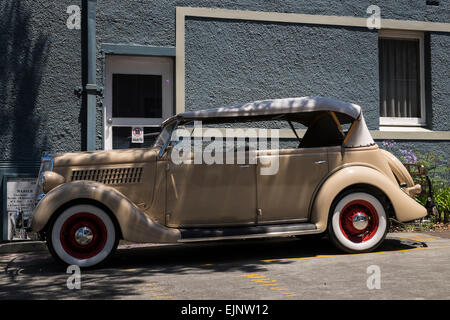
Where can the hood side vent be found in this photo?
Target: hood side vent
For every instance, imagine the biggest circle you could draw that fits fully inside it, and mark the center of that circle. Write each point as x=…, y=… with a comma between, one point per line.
x=109, y=176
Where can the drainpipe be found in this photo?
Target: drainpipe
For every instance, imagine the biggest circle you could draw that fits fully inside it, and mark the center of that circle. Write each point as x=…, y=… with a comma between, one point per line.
x=91, y=86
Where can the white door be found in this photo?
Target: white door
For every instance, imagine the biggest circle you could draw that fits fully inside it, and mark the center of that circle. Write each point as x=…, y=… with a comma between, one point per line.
x=138, y=93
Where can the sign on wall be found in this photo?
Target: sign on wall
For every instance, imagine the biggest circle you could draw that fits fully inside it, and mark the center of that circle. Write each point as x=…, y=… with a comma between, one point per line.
x=19, y=196
x=137, y=135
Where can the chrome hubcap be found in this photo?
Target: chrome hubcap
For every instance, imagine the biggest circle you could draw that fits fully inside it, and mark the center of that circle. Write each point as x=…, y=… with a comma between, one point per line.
x=83, y=236
x=360, y=221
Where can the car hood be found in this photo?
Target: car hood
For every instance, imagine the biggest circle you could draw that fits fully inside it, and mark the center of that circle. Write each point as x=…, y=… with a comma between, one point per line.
x=105, y=157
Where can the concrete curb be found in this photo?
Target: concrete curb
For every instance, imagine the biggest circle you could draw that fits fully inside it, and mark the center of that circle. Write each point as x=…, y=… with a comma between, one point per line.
x=23, y=246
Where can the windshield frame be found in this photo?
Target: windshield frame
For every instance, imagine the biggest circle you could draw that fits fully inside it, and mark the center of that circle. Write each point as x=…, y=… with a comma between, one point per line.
x=164, y=137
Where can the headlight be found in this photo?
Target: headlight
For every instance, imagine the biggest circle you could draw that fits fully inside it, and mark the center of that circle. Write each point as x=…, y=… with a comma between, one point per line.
x=46, y=165
x=50, y=180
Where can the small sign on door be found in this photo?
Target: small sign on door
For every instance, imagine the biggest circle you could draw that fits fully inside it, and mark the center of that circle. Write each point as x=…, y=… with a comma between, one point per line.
x=137, y=135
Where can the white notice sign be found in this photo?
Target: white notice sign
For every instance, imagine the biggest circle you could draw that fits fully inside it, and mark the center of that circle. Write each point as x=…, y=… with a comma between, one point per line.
x=20, y=194
x=137, y=135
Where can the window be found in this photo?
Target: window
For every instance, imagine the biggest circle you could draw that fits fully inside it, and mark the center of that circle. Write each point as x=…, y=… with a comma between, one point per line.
x=138, y=93
x=137, y=96
x=401, y=72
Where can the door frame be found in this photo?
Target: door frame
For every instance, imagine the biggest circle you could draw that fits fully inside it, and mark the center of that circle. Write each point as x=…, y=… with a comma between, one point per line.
x=127, y=64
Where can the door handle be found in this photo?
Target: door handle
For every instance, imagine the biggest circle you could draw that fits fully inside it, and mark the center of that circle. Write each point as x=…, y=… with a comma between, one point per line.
x=320, y=162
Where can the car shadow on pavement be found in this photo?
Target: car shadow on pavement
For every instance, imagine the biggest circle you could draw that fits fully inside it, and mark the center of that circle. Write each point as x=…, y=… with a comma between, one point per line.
x=239, y=254
x=38, y=276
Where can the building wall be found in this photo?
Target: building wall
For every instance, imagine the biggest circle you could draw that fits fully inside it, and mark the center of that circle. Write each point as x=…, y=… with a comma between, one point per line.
x=42, y=65
x=42, y=62
x=439, y=105
x=255, y=61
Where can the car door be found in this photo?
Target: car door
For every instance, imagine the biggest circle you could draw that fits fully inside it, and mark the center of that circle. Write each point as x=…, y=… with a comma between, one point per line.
x=286, y=195
x=201, y=195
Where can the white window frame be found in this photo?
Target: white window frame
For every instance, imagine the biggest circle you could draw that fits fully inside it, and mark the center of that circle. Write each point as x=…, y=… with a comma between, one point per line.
x=403, y=121
x=145, y=65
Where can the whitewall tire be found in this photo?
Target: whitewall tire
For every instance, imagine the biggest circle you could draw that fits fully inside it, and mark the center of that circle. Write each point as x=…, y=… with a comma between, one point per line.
x=358, y=222
x=82, y=235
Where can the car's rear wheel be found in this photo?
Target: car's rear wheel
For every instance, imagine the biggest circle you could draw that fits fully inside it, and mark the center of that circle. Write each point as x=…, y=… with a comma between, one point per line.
x=82, y=235
x=358, y=222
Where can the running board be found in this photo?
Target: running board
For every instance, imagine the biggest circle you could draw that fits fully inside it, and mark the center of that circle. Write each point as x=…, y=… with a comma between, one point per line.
x=230, y=233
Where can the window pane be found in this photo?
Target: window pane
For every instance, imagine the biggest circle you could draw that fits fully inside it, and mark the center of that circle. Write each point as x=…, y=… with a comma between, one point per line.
x=122, y=137
x=137, y=96
x=399, y=78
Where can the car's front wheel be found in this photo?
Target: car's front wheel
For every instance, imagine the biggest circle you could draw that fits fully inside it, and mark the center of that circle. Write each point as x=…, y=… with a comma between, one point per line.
x=358, y=222
x=82, y=235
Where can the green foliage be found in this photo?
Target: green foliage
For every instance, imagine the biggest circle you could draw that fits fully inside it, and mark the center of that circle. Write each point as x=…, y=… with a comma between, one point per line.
x=438, y=169
x=442, y=200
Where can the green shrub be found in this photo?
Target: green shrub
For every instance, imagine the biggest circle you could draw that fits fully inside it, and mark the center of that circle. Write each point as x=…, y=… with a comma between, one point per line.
x=442, y=200
x=438, y=169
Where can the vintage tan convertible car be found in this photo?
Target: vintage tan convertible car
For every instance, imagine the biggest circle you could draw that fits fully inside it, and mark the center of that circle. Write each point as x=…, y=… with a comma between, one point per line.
x=337, y=181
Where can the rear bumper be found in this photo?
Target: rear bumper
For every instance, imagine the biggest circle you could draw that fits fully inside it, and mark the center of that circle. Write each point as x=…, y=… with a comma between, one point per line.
x=413, y=191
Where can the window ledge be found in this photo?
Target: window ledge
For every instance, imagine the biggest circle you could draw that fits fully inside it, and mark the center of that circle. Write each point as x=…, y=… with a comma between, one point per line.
x=410, y=133
x=404, y=129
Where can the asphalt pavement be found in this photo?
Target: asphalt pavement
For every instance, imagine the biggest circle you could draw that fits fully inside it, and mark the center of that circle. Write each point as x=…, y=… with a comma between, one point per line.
x=405, y=266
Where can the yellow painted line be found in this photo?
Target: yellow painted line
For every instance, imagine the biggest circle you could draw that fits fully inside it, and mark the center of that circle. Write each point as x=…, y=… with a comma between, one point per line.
x=252, y=276
x=258, y=276
x=346, y=255
x=263, y=280
x=149, y=284
x=130, y=270
x=418, y=238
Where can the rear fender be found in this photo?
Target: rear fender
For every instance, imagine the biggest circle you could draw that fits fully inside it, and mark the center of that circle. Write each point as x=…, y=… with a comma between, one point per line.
x=405, y=208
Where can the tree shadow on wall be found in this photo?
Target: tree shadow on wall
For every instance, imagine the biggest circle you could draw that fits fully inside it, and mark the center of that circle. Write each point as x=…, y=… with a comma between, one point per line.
x=23, y=58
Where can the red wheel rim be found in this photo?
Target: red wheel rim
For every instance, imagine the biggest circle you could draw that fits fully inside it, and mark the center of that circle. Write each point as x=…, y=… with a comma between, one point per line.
x=77, y=221
x=346, y=221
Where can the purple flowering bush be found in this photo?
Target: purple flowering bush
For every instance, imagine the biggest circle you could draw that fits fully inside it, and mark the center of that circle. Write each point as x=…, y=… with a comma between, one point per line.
x=409, y=156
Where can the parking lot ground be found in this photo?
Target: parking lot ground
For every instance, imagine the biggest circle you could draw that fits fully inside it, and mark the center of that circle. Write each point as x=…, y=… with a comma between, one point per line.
x=410, y=265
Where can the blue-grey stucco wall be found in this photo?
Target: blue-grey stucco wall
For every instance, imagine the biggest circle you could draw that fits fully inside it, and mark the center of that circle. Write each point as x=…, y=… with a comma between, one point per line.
x=41, y=61
x=256, y=60
x=439, y=105
x=40, y=66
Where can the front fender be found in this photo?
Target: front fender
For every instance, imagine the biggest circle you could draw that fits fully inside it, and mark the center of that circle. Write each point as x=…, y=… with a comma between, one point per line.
x=135, y=225
x=405, y=208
